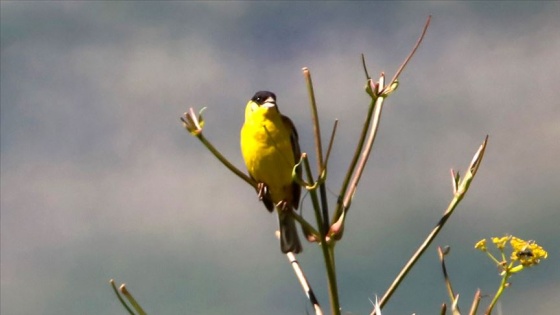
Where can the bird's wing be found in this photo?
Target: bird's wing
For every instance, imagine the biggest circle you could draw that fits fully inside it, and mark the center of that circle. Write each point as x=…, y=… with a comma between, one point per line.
x=294, y=140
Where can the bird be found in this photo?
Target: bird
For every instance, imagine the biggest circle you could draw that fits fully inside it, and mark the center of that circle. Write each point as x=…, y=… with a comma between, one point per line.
x=270, y=149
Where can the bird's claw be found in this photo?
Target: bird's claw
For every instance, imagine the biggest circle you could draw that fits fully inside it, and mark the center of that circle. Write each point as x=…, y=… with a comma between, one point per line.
x=262, y=190
x=283, y=205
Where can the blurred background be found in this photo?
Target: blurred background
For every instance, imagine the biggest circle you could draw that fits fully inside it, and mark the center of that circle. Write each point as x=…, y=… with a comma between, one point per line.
x=99, y=179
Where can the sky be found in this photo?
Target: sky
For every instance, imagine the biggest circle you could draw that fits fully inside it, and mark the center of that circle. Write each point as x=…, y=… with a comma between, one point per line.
x=99, y=180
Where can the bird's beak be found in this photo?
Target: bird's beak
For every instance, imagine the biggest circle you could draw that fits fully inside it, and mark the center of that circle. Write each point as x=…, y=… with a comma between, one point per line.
x=269, y=103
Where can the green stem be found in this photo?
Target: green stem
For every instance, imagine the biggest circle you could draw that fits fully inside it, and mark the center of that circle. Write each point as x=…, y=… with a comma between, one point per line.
x=132, y=300
x=501, y=289
x=448, y=285
x=365, y=154
x=365, y=68
x=318, y=147
x=412, y=261
x=354, y=162
x=494, y=258
x=457, y=197
x=306, y=225
x=224, y=161
x=328, y=254
x=120, y=297
x=331, y=141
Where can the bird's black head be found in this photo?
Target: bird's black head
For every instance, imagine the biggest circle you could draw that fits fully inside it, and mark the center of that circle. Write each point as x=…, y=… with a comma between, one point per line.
x=261, y=96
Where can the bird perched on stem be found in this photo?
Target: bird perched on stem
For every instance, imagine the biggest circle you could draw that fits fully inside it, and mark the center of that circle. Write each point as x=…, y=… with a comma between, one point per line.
x=270, y=148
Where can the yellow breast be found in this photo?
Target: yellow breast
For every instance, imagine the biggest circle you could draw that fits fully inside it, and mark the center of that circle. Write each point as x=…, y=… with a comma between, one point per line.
x=267, y=151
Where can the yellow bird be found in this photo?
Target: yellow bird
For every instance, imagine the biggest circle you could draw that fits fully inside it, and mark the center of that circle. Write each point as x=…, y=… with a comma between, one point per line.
x=270, y=148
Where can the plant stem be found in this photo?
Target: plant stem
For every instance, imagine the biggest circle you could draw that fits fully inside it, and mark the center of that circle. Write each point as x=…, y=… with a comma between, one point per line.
x=304, y=283
x=503, y=285
x=457, y=197
x=412, y=261
x=476, y=301
x=305, y=224
x=132, y=300
x=365, y=154
x=225, y=162
x=318, y=147
x=120, y=297
x=352, y=166
x=328, y=255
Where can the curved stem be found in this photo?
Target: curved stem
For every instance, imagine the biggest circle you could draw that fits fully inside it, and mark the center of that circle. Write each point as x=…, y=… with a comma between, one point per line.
x=418, y=42
x=120, y=297
x=225, y=162
x=503, y=285
x=306, y=225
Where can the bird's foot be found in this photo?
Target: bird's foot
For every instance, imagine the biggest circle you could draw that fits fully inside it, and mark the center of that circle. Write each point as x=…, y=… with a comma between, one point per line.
x=284, y=205
x=262, y=190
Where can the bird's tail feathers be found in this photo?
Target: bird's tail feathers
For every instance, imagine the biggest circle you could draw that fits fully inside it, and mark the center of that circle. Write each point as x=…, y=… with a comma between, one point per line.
x=289, y=239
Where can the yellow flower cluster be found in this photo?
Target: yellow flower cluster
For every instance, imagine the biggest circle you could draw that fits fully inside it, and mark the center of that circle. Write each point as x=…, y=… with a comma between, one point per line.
x=526, y=253
x=481, y=245
x=501, y=241
x=523, y=254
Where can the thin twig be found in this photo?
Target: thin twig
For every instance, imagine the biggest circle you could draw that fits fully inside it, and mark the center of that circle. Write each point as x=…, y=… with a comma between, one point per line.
x=328, y=255
x=304, y=283
x=445, y=275
x=132, y=300
x=344, y=204
x=418, y=42
x=318, y=146
x=331, y=142
x=503, y=286
x=225, y=162
x=454, y=309
x=457, y=197
x=475, y=302
x=305, y=225
x=194, y=124
x=352, y=166
x=400, y=277
x=367, y=149
x=365, y=68
x=112, y=282
x=315, y=118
